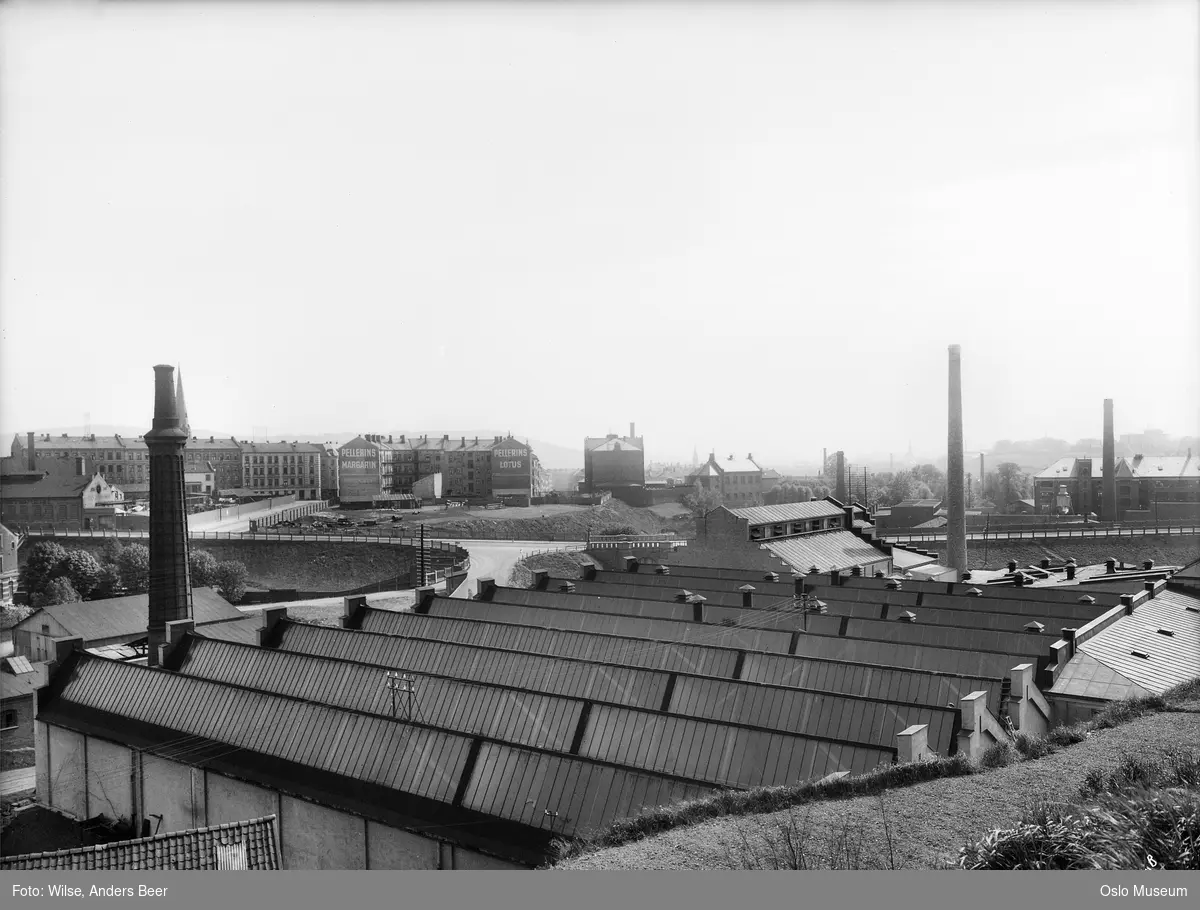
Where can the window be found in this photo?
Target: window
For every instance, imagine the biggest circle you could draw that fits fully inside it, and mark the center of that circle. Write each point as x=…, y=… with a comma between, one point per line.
x=8, y=721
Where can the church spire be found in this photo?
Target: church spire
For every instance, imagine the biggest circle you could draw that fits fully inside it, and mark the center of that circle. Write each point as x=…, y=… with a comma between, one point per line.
x=180, y=403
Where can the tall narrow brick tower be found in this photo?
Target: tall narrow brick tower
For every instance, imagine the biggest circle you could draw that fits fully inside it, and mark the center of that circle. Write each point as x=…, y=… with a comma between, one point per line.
x=170, y=587
x=956, y=511
x=1108, y=484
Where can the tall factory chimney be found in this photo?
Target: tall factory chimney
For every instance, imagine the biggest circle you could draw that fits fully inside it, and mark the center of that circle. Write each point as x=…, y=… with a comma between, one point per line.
x=1109, y=505
x=632, y=435
x=824, y=461
x=956, y=518
x=840, y=489
x=170, y=586
x=31, y=453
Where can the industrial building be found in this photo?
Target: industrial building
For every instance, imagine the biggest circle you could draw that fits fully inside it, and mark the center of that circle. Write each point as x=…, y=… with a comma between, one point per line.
x=70, y=495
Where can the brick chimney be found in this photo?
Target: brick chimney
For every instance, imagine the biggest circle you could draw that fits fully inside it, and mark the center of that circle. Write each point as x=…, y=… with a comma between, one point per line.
x=840, y=488
x=1109, y=466
x=956, y=509
x=170, y=586
x=632, y=435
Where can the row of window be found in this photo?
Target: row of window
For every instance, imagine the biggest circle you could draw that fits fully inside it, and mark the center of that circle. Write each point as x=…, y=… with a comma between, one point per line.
x=281, y=459
x=39, y=509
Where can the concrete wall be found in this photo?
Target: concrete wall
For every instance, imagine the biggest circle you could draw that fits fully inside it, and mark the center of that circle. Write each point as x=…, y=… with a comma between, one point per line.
x=66, y=785
x=109, y=779
x=230, y=800
x=174, y=791
x=391, y=848
x=317, y=837
x=86, y=776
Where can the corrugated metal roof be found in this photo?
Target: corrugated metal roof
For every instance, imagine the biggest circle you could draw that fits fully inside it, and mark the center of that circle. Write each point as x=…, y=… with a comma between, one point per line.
x=790, y=511
x=751, y=639
x=907, y=655
x=916, y=686
x=420, y=761
x=535, y=719
x=1169, y=659
x=115, y=617
x=826, y=550
x=239, y=845
x=562, y=676
x=244, y=631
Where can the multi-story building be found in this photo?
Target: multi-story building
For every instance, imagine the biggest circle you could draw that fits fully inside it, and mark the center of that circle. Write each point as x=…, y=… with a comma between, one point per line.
x=78, y=497
x=614, y=462
x=329, y=471
x=200, y=481
x=739, y=480
x=282, y=469
x=124, y=461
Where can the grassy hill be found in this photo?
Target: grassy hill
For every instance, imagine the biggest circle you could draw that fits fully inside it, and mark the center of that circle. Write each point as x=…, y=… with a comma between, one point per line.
x=923, y=825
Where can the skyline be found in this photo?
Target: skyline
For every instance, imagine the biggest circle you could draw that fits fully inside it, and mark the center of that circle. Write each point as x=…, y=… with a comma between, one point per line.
x=539, y=219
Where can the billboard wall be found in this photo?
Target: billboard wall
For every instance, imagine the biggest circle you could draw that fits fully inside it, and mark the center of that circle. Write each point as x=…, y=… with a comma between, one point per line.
x=512, y=468
x=358, y=471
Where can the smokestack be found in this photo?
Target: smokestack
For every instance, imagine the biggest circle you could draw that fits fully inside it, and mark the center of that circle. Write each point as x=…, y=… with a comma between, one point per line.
x=1109, y=506
x=824, y=461
x=170, y=586
x=840, y=489
x=956, y=526
x=31, y=454
x=632, y=435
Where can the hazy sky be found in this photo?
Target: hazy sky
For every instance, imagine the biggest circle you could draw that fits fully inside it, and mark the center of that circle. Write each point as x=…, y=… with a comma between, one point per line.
x=749, y=227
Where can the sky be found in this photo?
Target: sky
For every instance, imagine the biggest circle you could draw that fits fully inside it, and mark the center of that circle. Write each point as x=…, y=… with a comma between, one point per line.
x=750, y=227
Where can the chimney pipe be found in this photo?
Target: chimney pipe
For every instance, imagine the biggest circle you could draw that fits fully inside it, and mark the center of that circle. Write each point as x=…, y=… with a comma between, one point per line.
x=956, y=526
x=1110, y=566
x=31, y=454
x=840, y=487
x=632, y=435
x=1070, y=571
x=1109, y=505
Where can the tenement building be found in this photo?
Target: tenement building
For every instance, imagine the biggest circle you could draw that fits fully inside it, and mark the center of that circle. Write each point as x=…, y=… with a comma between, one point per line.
x=282, y=469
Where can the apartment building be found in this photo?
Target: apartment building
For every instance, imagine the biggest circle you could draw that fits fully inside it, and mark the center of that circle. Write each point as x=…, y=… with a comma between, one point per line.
x=282, y=469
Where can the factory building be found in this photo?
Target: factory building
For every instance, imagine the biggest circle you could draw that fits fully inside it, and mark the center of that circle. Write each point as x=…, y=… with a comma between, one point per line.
x=616, y=464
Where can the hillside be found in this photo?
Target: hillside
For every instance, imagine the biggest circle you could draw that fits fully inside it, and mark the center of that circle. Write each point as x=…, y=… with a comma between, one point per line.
x=927, y=822
x=550, y=522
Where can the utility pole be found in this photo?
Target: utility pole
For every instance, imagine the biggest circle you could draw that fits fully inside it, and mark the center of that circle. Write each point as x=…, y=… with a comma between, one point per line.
x=404, y=684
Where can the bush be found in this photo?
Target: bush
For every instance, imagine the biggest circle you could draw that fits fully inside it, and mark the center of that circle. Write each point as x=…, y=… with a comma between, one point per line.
x=83, y=571
x=59, y=591
x=1122, y=712
x=1066, y=736
x=997, y=755
x=110, y=551
x=202, y=567
x=1031, y=746
x=1124, y=830
x=617, y=530
x=231, y=580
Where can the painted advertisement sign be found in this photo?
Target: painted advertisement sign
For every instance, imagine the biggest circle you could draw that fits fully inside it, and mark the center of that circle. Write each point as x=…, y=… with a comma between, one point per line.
x=358, y=471
x=512, y=467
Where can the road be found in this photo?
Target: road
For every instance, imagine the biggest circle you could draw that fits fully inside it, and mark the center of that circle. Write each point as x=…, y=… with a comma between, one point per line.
x=17, y=781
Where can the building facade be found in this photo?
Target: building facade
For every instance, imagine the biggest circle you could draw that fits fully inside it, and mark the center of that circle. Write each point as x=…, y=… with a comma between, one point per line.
x=124, y=461
x=282, y=469
x=614, y=461
x=739, y=480
x=8, y=565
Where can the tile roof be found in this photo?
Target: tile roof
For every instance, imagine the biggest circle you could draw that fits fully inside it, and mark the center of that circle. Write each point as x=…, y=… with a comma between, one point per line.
x=282, y=448
x=789, y=511
x=1169, y=659
x=114, y=617
x=248, y=845
x=825, y=550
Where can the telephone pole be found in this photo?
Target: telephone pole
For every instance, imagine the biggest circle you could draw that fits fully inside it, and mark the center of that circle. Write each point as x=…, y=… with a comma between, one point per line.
x=404, y=684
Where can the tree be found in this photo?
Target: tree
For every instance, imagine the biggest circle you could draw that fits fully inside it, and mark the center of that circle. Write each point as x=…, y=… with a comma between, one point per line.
x=109, y=583
x=898, y=488
x=58, y=591
x=702, y=500
x=134, y=567
x=202, y=566
x=1010, y=484
x=45, y=563
x=110, y=552
x=83, y=571
x=231, y=580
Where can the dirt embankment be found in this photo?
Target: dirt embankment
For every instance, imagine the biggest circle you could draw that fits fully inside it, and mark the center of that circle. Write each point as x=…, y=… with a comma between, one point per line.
x=559, y=565
x=1165, y=551
x=554, y=522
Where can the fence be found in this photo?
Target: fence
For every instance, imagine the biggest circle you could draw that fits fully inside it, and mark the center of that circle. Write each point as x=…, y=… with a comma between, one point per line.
x=296, y=511
x=214, y=516
x=1181, y=529
x=125, y=534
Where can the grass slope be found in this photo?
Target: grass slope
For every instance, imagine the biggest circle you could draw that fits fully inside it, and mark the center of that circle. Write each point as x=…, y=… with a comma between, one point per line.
x=928, y=822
